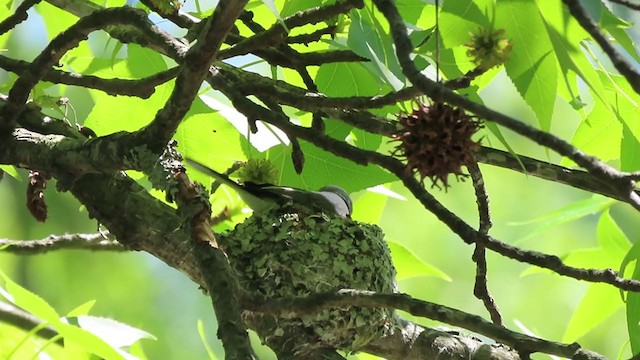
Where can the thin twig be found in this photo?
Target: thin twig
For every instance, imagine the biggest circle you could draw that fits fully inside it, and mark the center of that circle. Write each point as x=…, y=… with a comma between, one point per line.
x=13, y=315
x=92, y=242
x=480, y=289
x=142, y=88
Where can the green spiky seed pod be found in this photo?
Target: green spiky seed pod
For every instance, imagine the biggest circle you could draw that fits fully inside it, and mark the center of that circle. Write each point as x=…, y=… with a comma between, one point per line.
x=436, y=141
x=488, y=48
x=290, y=252
x=258, y=171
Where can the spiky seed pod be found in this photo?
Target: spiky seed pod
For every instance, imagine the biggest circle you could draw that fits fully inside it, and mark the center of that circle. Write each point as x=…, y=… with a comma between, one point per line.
x=488, y=48
x=436, y=141
x=258, y=171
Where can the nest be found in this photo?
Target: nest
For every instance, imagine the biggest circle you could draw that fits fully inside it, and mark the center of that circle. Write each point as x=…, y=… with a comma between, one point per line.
x=292, y=252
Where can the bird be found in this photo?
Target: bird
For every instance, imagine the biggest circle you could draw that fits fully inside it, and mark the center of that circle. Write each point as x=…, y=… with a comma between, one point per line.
x=332, y=198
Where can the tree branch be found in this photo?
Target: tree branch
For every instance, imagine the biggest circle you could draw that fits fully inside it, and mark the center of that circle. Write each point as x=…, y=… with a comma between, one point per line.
x=625, y=68
x=93, y=242
x=627, y=3
x=21, y=319
x=18, y=16
x=195, y=66
x=142, y=88
x=62, y=43
x=218, y=275
x=480, y=289
x=455, y=223
x=294, y=307
x=615, y=179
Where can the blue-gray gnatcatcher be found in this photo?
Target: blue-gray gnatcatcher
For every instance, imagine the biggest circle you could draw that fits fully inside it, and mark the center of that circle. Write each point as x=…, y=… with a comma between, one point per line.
x=333, y=199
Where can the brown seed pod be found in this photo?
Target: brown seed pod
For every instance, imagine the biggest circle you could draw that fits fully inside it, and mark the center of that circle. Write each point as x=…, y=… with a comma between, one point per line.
x=35, y=196
x=436, y=141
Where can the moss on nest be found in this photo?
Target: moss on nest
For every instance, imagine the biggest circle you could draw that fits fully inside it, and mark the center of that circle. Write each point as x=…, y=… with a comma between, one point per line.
x=286, y=251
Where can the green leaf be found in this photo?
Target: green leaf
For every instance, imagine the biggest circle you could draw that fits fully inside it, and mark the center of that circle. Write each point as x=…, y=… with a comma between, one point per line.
x=599, y=303
x=112, y=114
x=89, y=342
x=633, y=316
x=413, y=10
x=460, y=18
x=600, y=133
x=203, y=338
x=144, y=62
x=565, y=34
x=116, y=334
x=616, y=28
x=11, y=170
x=272, y=7
x=369, y=206
x=322, y=168
x=408, y=265
x=291, y=7
x=368, y=39
x=346, y=79
x=82, y=309
x=569, y=213
x=29, y=301
x=600, y=300
x=532, y=65
x=206, y=135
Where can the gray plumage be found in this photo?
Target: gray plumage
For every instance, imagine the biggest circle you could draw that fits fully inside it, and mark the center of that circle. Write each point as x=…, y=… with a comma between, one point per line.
x=332, y=198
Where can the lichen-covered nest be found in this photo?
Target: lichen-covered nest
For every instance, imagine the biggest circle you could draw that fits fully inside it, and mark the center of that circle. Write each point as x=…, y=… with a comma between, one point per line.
x=286, y=251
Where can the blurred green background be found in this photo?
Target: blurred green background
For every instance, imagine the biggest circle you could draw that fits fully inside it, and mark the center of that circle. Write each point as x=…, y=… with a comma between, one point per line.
x=139, y=290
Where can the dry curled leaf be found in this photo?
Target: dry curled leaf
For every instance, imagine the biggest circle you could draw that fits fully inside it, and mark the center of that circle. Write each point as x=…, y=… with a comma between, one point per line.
x=297, y=156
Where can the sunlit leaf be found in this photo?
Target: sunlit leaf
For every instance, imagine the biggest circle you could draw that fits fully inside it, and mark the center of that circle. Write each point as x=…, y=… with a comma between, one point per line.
x=322, y=168
x=203, y=338
x=28, y=301
x=567, y=214
x=82, y=309
x=460, y=18
x=532, y=64
x=11, y=170
x=113, y=332
x=408, y=265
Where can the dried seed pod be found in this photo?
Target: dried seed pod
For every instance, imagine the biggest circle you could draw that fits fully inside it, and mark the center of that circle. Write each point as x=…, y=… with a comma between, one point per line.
x=35, y=196
x=297, y=156
x=436, y=141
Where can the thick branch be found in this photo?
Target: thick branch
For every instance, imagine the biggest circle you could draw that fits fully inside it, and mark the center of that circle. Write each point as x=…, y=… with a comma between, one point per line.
x=294, y=307
x=195, y=66
x=218, y=275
